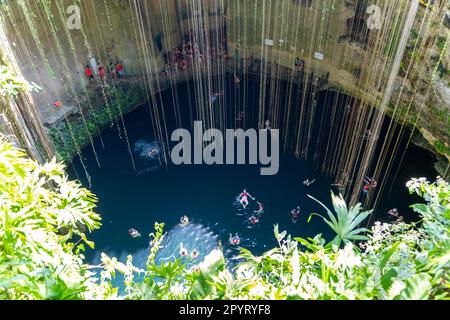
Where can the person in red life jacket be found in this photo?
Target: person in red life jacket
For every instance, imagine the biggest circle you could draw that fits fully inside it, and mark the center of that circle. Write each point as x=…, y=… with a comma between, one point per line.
x=177, y=55
x=89, y=73
x=253, y=220
x=234, y=240
x=57, y=104
x=243, y=198
x=120, y=71
x=366, y=188
x=369, y=184
x=102, y=73
x=184, y=64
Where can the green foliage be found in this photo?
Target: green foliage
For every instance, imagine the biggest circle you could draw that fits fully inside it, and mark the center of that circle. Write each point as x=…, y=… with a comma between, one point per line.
x=345, y=223
x=441, y=42
x=441, y=147
x=44, y=219
x=11, y=85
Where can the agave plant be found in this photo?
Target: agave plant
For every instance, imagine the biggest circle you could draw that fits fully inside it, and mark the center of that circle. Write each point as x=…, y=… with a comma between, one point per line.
x=345, y=223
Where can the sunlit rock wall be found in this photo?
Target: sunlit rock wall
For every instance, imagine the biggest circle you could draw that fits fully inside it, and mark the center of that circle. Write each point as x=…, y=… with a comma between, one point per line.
x=138, y=33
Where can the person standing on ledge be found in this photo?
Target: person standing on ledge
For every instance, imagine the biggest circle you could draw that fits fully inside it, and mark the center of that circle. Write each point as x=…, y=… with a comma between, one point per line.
x=120, y=71
x=102, y=74
x=113, y=71
x=94, y=65
x=89, y=73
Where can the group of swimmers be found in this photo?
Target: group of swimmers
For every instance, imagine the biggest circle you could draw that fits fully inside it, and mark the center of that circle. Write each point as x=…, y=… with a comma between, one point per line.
x=243, y=200
x=184, y=221
x=234, y=240
x=254, y=219
x=184, y=252
x=369, y=184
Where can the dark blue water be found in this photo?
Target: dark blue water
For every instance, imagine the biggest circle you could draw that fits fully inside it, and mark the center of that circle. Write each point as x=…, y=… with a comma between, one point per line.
x=207, y=194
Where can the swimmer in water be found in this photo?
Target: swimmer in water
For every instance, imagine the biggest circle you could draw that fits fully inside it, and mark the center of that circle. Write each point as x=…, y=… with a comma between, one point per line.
x=260, y=208
x=240, y=116
x=393, y=213
x=295, y=214
x=184, y=220
x=234, y=240
x=134, y=233
x=369, y=183
x=253, y=220
x=243, y=198
x=183, y=250
x=308, y=182
x=236, y=79
x=215, y=96
x=153, y=152
x=195, y=254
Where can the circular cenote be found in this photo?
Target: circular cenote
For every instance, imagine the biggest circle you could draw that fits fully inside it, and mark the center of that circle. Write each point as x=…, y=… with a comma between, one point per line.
x=207, y=194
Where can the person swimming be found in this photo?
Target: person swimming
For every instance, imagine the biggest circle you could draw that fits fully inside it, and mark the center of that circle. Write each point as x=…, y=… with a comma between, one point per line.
x=294, y=214
x=243, y=198
x=234, y=240
x=236, y=79
x=260, y=208
x=369, y=183
x=195, y=254
x=153, y=152
x=183, y=250
x=148, y=151
x=134, y=233
x=393, y=213
x=308, y=182
x=240, y=116
x=215, y=96
x=299, y=63
x=184, y=220
x=253, y=220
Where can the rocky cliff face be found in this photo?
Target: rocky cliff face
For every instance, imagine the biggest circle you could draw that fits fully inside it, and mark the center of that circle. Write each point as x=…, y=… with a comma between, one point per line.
x=330, y=36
